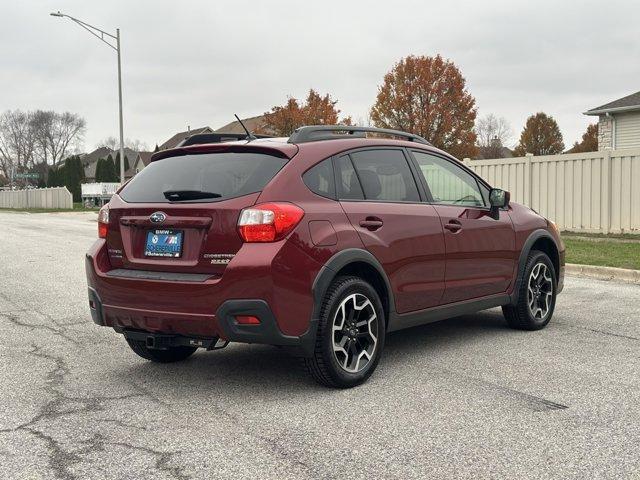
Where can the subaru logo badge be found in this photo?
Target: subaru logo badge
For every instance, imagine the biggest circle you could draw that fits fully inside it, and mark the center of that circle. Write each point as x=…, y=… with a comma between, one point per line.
x=157, y=217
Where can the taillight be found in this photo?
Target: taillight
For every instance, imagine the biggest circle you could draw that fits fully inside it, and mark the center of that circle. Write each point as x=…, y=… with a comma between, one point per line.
x=268, y=222
x=103, y=221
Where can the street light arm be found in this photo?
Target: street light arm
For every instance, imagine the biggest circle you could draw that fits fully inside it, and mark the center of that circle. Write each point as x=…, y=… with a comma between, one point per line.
x=95, y=31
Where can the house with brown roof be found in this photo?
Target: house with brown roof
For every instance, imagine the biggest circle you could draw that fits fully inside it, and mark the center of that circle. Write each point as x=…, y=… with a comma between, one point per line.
x=253, y=124
x=618, y=123
x=180, y=136
x=141, y=161
x=90, y=160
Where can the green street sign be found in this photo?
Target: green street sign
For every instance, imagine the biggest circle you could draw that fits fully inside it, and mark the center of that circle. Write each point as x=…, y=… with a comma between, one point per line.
x=28, y=175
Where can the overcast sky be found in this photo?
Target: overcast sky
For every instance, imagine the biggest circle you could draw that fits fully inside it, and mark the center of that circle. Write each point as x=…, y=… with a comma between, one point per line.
x=198, y=62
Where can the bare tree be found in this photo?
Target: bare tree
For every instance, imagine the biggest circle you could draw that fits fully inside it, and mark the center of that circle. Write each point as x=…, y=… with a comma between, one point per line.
x=493, y=133
x=57, y=134
x=42, y=123
x=364, y=121
x=136, y=145
x=66, y=136
x=113, y=143
x=17, y=141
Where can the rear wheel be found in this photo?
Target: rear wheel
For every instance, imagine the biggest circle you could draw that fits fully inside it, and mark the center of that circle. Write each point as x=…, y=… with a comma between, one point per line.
x=173, y=354
x=537, y=295
x=350, y=336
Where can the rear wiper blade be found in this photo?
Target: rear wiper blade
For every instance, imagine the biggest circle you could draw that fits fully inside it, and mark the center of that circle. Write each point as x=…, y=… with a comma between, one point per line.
x=177, y=195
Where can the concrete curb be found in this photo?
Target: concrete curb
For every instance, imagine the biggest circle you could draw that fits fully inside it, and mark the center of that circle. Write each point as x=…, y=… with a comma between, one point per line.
x=603, y=273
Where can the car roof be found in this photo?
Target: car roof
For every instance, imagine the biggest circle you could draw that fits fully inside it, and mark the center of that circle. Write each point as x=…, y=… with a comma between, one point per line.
x=281, y=146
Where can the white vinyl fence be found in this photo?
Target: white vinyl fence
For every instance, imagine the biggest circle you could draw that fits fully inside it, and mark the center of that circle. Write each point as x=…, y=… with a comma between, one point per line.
x=58, y=197
x=582, y=192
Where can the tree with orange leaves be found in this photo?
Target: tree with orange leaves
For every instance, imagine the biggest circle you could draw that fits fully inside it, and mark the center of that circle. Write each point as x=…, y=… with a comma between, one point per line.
x=316, y=110
x=541, y=136
x=589, y=141
x=427, y=96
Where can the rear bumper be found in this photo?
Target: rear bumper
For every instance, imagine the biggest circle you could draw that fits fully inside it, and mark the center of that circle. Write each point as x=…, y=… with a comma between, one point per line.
x=206, y=307
x=221, y=325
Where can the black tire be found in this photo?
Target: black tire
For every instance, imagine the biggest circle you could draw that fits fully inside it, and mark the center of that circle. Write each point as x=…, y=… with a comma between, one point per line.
x=174, y=354
x=324, y=366
x=520, y=316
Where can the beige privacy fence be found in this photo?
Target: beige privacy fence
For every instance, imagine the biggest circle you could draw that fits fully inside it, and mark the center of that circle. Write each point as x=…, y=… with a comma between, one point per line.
x=582, y=192
x=58, y=197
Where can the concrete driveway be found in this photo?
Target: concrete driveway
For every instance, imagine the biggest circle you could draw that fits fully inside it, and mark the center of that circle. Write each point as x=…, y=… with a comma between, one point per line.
x=464, y=398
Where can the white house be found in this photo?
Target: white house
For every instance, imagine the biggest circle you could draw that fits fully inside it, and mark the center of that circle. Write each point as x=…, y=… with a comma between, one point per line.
x=619, y=123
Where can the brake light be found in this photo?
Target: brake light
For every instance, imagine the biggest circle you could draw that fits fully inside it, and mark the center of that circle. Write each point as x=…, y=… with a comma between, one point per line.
x=103, y=222
x=268, y=222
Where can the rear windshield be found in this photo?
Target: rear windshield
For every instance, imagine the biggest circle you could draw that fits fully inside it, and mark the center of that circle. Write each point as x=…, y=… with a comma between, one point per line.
x=227, y=175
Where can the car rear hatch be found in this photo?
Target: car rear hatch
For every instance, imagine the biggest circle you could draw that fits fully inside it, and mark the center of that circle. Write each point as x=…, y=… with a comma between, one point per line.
x=180, y=213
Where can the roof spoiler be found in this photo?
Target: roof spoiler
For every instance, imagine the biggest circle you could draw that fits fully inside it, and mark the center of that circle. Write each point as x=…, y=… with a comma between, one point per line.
x=218, y=137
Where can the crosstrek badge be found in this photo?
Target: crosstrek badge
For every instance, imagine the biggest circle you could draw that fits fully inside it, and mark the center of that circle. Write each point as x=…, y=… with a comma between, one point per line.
x=219, y=258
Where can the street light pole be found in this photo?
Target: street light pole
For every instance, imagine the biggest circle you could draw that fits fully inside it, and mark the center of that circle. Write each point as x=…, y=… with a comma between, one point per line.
x=100, y=34
x=120, y=107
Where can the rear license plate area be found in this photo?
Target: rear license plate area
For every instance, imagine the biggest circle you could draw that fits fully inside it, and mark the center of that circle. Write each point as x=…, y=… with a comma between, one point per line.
x=163, y=243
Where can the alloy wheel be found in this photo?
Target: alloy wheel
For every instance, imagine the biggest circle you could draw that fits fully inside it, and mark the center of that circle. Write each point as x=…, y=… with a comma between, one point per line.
x=355, y=333
x=540, y=291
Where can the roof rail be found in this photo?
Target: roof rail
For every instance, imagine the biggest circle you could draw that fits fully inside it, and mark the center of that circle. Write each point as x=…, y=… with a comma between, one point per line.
x=313, y=133
x=216, y=137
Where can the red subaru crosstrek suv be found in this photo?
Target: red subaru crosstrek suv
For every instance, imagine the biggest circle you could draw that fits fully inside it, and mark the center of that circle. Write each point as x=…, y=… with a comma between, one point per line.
x=322, y=243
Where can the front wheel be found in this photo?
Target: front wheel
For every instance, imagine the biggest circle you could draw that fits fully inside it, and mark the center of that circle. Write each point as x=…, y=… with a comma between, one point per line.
x=537, y=295
x=170, y=355
x=351, y=334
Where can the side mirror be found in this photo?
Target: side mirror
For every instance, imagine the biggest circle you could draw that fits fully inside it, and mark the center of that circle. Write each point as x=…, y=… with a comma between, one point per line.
x=498, y=199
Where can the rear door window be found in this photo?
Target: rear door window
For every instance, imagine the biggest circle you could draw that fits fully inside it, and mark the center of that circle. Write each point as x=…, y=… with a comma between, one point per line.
x=385, y=175
x=226, y=175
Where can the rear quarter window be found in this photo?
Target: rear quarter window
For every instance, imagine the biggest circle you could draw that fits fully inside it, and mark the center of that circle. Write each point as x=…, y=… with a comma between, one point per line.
x=320, y=179
x=229, y=174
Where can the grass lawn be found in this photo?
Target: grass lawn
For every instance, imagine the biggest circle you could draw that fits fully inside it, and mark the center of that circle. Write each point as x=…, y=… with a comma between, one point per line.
x=77, y=207
x=602, y=253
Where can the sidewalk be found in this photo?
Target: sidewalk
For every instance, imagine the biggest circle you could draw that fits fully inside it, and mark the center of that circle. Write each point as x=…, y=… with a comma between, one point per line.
x=604, y=273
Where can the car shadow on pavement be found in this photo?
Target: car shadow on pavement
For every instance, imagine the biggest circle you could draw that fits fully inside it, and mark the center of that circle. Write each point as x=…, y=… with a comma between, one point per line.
x=268, y=369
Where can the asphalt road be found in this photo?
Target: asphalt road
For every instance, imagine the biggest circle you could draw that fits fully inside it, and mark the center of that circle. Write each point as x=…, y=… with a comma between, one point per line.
x=464, y=398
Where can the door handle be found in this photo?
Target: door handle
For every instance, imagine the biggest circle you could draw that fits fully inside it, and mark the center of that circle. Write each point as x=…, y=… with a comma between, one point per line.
x=453, y=226
x=371, y=223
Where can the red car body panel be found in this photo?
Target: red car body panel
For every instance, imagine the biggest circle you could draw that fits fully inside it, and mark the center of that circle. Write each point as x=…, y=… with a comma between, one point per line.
x=425, y=265
x=409, y=245
x=480, y=255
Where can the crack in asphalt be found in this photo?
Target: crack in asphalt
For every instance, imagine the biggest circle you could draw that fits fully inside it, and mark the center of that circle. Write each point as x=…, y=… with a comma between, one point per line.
x=120, y=423
x=535, y=402
x=539, y=404
x=60, y=460
x=145, y=392
x=275, y=447
x=60, y=331
x=602, y=332
x=162, y=459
